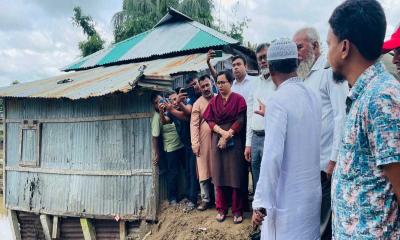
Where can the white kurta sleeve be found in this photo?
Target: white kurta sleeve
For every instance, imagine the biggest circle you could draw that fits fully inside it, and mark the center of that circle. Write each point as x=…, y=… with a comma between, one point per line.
x=274, y=146
x=337, y=94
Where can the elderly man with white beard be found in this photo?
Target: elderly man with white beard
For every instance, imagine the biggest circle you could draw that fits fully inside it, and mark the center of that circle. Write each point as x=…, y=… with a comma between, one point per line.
x=313, y=69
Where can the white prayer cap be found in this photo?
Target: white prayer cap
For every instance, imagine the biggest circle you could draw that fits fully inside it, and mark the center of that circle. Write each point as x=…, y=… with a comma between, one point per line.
x=282, y=48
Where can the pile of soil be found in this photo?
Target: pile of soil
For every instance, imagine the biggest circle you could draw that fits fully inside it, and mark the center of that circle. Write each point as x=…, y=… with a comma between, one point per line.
x=176, y=224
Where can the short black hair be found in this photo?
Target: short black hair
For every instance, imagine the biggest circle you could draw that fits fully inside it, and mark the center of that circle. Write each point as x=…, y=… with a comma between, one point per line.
x=262, y=46
x=190, y=77
x=204, y=77
x=154, y=96
x=177, y=90
x=234, y=58
x=283, y=66
x=363, y=23
x=228, y=75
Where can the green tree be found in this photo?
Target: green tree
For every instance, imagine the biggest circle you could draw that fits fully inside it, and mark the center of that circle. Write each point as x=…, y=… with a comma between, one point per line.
x=138, y=16
x=94, y=42
x=235, y=28
x=199, y=10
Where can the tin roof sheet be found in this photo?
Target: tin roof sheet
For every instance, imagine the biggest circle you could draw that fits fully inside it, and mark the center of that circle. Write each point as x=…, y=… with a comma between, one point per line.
x=175, y=33
x=105, y=80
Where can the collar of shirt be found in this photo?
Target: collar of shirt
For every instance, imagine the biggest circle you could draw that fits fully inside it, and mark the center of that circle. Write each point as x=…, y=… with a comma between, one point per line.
x=290, y=80
x=246, y=79
x=319, y=64
x=365, y=78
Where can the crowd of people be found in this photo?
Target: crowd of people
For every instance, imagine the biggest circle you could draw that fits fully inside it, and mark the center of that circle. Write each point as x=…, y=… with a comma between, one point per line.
x=320, y=133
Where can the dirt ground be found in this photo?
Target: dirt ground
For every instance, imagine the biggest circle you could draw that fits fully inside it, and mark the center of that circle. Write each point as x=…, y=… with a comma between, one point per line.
x=176, y=224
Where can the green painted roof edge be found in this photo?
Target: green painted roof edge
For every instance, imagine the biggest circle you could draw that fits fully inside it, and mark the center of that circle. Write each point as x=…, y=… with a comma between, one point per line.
x=120, y=48
x=203, y=39
x=76, y=65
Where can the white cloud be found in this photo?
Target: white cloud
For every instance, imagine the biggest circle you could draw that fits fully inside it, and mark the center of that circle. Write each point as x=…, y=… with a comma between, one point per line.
x=37, y=37
x=271, y=19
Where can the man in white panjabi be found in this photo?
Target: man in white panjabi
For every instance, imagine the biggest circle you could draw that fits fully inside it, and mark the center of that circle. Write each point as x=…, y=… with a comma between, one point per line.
x=288, y=194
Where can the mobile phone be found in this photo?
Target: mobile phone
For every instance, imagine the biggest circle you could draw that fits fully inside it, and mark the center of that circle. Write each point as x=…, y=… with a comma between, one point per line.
x=218, y=53
x=189, y=91
x=162, y=100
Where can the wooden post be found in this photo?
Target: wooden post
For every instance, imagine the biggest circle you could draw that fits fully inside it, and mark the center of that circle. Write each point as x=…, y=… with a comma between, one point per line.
x=12, y=216
x=154, y=198
x=55, y=233
x=47, y=226
x=122, y=230
x=88, y=230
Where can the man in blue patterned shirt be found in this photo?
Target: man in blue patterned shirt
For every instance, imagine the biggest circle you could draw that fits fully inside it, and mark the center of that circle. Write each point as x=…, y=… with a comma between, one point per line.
x=366, y=181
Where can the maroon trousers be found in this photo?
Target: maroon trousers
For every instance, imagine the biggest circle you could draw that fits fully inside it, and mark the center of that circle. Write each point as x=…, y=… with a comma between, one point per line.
x=223, y=196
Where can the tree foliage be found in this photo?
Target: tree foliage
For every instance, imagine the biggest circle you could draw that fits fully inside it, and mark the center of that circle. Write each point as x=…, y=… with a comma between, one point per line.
x=138, y=16
x=94, y=42
x=236, y=29
x=199, y=10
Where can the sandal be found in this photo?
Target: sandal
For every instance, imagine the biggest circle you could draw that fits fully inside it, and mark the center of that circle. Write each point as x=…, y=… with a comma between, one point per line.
x=237, y=219
x=220, y=217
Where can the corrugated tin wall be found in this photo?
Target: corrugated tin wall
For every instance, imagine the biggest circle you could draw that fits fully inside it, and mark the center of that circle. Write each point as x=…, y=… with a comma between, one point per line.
x=86, y=168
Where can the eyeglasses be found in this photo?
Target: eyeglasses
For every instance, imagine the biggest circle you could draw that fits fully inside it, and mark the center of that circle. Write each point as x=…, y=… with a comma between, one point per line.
x=221, y=82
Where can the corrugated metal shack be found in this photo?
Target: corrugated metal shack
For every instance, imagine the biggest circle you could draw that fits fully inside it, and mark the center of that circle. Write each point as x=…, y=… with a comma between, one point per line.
x=79, y=145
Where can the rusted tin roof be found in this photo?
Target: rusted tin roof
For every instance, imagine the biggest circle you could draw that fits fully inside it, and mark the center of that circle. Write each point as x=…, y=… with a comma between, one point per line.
x=105, y=80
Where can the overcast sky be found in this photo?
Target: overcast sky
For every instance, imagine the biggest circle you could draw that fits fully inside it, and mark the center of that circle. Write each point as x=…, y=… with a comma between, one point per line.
x=37, y=37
